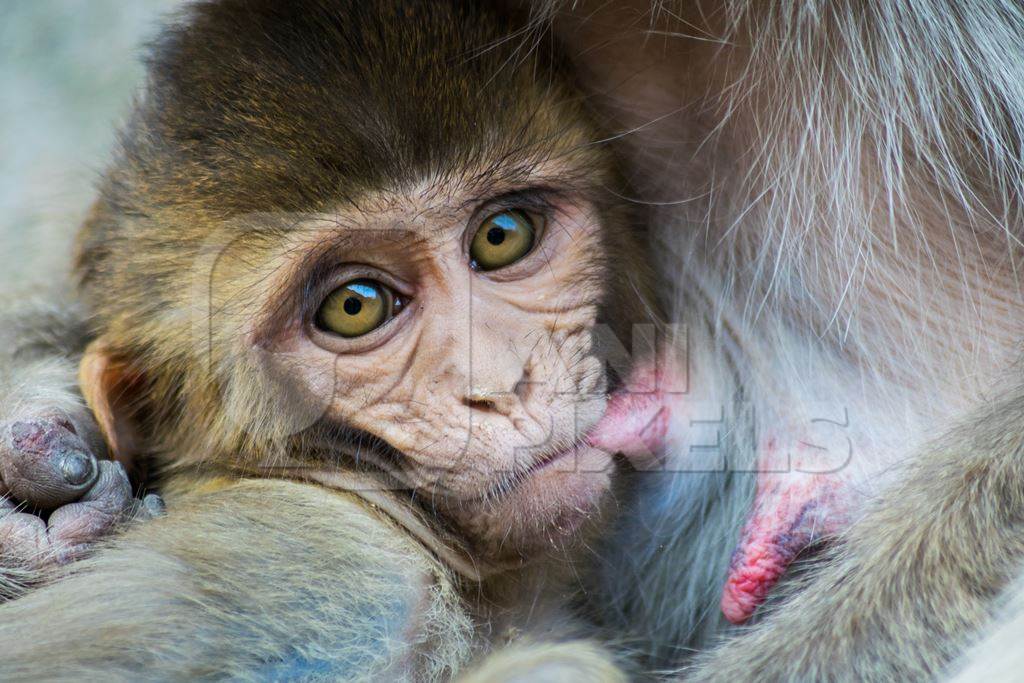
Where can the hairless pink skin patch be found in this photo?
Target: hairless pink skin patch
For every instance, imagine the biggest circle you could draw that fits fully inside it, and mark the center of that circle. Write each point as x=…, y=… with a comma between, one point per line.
x=637, y=419
x=792, y=510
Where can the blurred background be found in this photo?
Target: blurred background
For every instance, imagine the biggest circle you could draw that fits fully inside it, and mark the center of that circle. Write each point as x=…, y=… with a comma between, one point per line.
x=68, y=70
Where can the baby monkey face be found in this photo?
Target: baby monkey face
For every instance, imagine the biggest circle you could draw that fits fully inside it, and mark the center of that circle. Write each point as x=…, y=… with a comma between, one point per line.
x=446, y=336
x=371, y=234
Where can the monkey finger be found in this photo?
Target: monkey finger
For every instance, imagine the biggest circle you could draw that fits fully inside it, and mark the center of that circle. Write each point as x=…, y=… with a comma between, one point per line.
x=151, y=506
x=44, y=463
x=23, y=541
x=73, y=528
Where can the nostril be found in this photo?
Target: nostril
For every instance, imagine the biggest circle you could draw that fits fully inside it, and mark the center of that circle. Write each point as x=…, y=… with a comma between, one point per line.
x=522, y=387
x=483, y=404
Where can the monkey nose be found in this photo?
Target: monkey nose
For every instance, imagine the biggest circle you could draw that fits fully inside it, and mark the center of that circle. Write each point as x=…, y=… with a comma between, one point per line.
x=489, y=402
x=502, y=402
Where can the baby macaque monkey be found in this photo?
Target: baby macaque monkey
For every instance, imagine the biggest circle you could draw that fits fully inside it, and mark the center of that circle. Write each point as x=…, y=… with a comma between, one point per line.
x=350, y=281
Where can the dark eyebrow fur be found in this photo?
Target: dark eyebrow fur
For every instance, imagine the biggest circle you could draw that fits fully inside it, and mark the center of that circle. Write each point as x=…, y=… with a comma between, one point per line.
x=302, y=290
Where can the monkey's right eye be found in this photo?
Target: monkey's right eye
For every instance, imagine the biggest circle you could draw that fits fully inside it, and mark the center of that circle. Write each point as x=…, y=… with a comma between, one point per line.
x=357, y=308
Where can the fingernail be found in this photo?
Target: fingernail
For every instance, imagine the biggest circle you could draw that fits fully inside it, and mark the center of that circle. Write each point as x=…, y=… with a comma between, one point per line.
x=77, y=468
x=154, y=505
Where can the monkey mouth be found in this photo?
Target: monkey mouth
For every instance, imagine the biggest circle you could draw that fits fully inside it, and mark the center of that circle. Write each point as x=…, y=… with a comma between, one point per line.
x=566, y=459
x=560, y=460
x=538, y=504
x=553, y=460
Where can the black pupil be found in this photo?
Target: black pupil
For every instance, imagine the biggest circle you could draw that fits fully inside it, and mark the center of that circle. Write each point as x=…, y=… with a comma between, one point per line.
x=496, y=235
x=352, y=305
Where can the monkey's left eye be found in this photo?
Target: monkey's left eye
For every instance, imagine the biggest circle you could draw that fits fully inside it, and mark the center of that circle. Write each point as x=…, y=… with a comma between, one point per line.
x=357, y=308
x=502, y=239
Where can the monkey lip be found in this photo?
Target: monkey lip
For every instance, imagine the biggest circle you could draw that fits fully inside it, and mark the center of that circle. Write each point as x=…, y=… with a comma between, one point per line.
x=574, y=458
x=562, y=491
x=557, y=459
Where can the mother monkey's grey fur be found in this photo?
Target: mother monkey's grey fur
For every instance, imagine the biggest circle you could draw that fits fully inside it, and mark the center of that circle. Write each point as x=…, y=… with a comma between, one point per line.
x=842, y=192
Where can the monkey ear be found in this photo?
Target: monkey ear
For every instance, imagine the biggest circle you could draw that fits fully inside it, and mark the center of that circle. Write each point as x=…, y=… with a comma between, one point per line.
x=109, y=386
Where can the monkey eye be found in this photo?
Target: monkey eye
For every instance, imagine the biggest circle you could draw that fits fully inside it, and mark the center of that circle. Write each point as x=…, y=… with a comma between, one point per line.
x=357, y=307
x=502, y=239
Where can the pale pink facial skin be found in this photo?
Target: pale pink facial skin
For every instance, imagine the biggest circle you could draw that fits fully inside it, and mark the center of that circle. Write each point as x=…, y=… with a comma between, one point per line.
x=794, y=506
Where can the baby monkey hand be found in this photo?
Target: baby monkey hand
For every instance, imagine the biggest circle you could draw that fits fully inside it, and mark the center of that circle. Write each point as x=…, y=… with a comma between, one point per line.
x=58, y=498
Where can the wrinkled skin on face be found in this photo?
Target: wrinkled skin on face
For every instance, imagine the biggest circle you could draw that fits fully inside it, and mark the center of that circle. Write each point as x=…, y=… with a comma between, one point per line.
x=479, y=391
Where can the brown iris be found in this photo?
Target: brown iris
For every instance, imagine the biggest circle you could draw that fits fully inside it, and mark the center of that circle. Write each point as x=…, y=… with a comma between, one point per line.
x=356, y=308
x=502, y=239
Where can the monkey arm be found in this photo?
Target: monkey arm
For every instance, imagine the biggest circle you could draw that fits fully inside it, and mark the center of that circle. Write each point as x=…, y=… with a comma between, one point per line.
x=48, y=444
x=576, y=660
x=997, y=656
x=913, y=579
x=254, y=580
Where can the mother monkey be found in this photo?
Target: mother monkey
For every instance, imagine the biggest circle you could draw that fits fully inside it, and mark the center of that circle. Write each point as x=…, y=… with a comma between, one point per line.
x=838, y=184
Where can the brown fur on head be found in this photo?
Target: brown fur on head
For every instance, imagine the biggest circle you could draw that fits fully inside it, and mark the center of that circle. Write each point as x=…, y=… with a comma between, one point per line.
x=277, y=143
